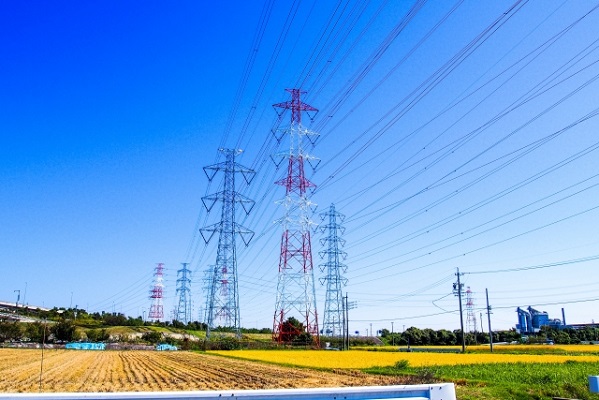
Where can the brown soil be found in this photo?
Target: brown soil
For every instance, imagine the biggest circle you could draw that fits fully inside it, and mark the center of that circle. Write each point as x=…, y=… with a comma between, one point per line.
x=120, y=371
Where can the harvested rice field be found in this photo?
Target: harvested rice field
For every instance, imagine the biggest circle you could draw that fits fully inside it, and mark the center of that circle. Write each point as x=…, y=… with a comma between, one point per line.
x=120, y=371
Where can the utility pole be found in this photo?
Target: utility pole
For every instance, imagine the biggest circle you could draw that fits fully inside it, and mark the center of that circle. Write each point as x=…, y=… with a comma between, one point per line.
x=348, y=306
x=489, y=317
x=392, y=337
x=345, y=345
x=457, y=290
x=18, y=292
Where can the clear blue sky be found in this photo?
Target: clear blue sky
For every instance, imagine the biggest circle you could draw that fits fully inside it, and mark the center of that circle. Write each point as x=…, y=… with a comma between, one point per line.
x=452, y=135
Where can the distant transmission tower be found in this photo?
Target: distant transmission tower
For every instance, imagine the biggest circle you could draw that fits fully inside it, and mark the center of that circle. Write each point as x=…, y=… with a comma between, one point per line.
x=184, y=292
x=295, y=288
x=333, y=267
x=156, y=294
x=470, y=314
x=222, y=301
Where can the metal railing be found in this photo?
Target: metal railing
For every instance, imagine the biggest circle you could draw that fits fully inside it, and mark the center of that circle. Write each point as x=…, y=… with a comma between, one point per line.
x=441, y=391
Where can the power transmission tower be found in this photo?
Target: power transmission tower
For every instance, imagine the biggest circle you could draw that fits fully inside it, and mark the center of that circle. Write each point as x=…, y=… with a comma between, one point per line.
x=333, y=267
x=295, y=287
x=470, y=314
x=222, y=302
x=156, y=294
x=184, y=292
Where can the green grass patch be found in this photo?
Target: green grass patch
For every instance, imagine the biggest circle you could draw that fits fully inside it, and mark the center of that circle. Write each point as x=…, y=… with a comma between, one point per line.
x=517, y=381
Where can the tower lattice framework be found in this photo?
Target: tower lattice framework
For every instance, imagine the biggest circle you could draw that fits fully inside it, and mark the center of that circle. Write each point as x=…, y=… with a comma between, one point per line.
x=296, y=295
x=470, y=314
x=222, y=301
x=334, y=270
x=184, y=294
x=157, y=294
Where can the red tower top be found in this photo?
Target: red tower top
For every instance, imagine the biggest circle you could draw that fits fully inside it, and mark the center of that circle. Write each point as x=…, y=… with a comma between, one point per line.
x=295, y=105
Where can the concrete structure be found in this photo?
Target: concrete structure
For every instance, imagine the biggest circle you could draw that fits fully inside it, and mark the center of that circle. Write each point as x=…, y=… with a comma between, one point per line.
x=438, y=391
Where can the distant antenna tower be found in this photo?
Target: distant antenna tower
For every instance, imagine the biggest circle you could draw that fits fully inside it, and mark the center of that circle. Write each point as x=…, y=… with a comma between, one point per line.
x=295, y=288
x=222, y=301
x=156, y=294
x=470, y=314
x=334, y=280
x=183, y=313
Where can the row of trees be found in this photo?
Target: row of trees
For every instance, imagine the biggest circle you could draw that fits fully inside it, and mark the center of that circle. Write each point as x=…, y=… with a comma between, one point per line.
x=105, y=319
x=568, y=335
x=429, y=337
x=36, y=332
x=64, y=322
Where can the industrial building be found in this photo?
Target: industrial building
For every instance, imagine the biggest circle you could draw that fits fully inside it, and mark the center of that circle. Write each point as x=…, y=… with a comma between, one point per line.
x=531, y=320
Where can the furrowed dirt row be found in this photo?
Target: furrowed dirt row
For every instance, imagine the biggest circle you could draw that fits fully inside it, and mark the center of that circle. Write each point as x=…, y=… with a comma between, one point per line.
x=119, y=371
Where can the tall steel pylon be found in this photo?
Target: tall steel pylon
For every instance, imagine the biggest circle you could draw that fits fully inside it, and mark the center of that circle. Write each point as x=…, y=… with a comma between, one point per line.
x=222, y=301
x=184, y=292
x=470, y=314
x=333, y=268
x=157, y=294
x=295, y=287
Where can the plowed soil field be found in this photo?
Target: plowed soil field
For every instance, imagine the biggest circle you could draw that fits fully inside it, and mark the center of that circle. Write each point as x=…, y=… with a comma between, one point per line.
x=120, y=371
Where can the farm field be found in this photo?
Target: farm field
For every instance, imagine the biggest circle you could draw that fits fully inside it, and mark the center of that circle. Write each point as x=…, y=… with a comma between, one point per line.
x=511, y=374
x=541, y=375
x=118, y=371
x=360, y=359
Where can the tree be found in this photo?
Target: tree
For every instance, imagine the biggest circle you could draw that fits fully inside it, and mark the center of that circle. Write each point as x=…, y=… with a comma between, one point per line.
x=445, y=337
x=429, y=336
x=64, y=331
x=152, y=337
x=413, y=336
x=97, y=335
x=34, y=332
x=293, y=331
x=9, y=331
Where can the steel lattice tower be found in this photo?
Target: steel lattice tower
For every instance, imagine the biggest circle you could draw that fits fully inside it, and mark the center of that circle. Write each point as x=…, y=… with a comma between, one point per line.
x=156, y=294
x=333, y=268
x=222, y=302
x=295, y=288
x=184, y=292
x=470, y=315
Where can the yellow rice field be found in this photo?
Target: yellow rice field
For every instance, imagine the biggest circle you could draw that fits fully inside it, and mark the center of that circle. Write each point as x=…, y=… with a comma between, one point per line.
x=356, y=359
x=569, y=348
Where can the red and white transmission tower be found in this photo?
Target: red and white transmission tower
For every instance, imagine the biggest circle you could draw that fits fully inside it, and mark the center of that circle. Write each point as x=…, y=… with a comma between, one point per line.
x=295, y=288
x=470, y=314
x=156, y=294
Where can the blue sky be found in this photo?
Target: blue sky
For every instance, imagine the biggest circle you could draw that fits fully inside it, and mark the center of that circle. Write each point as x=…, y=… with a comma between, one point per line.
x=452, y=135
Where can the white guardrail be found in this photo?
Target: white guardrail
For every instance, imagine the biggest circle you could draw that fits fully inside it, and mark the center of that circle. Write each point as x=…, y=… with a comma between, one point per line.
x=441, y=391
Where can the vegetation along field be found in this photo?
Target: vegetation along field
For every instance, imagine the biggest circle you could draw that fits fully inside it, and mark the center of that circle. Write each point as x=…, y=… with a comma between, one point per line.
x=511, y=372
